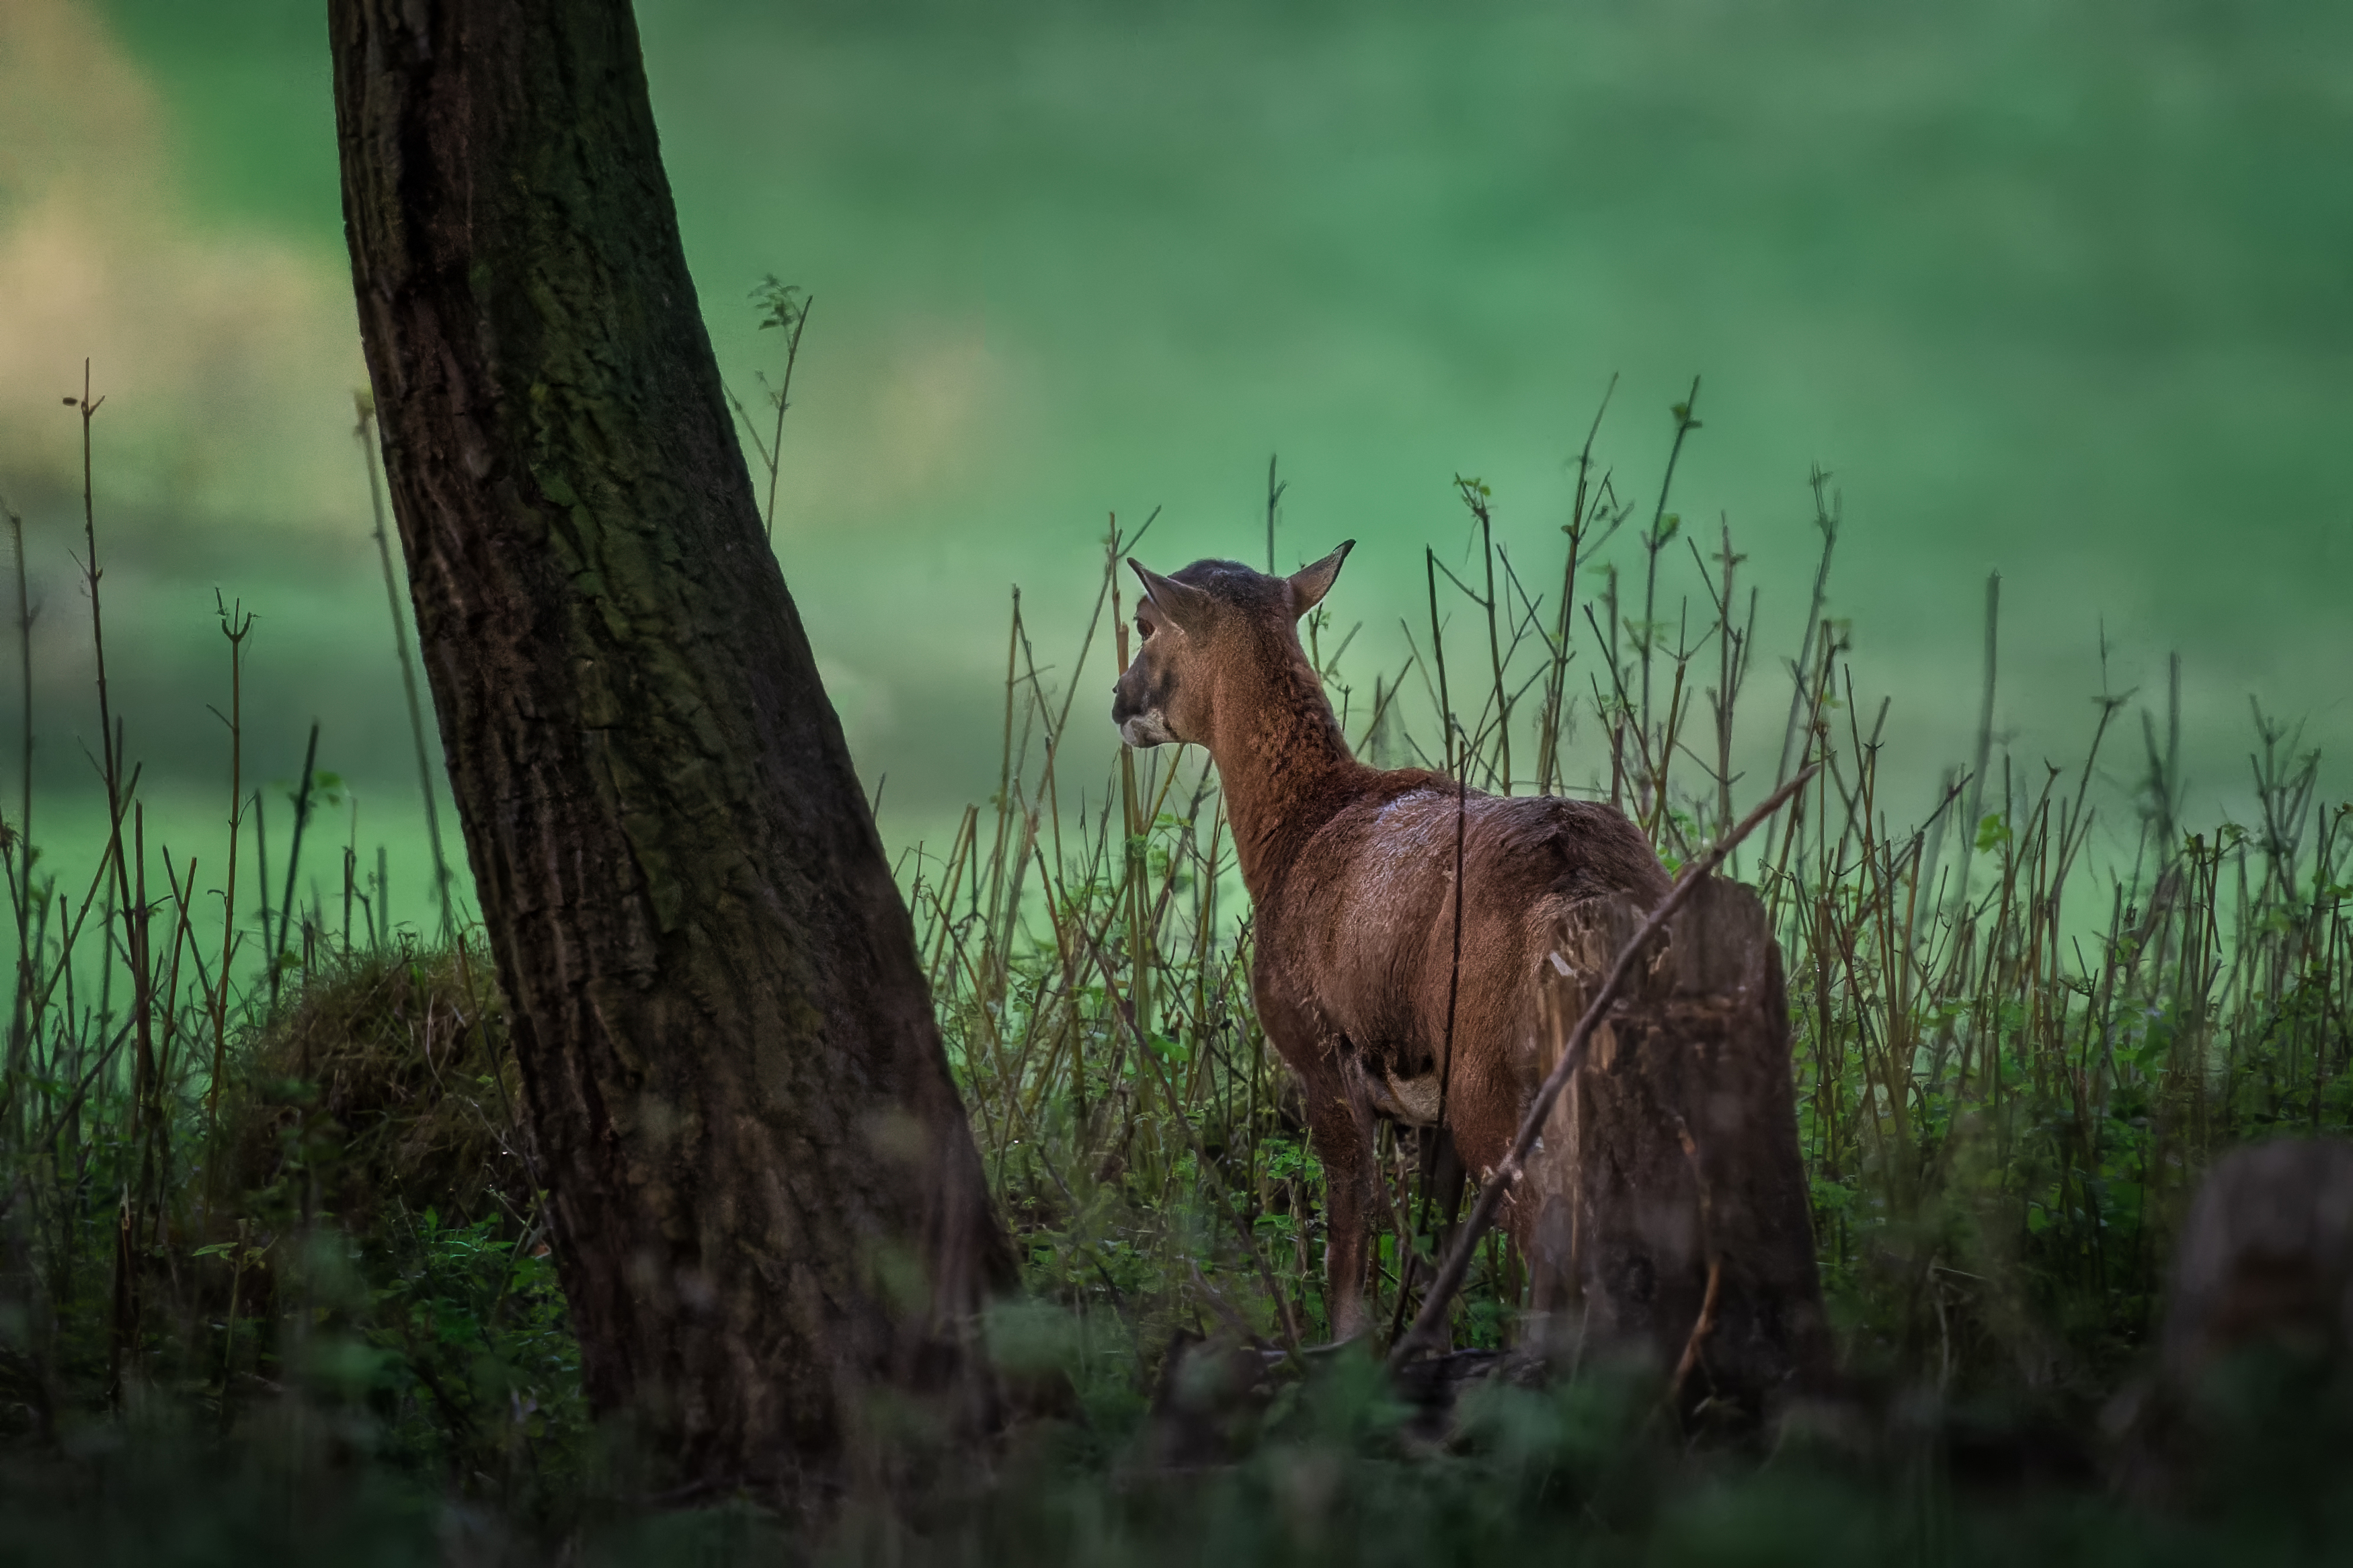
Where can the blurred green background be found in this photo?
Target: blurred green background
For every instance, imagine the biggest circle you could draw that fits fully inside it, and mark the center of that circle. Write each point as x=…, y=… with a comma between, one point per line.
x=2058, y=288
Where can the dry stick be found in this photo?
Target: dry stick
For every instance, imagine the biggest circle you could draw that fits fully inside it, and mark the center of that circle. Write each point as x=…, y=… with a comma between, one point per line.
x=783, y=313
x=1428, y=1172
x=966, y=828
x=1731, y=664
x=261, y=868
x=1548, y=762
x=1438, y=654
x=63, y=973
x=21, y=1025
x=1495, y=694
x=147, y=1095
x=784, y=401
x=123, y=1326
x=180, y=942
x=1779, y=877
x=365, y=434
x=1491, y=1195
x=1139, y=989
x=1273, y=500
x=1676, y=709
x=1004, y=781
x=1067, y=1032
x=1050, y=878
x=235, y=625
x=1525, y=625
x=1609, y=645
x=1205, y=915
x=1383, y=700
x=1474, y=496
x=1653, y=769
x=1703, y=1326
x=1970, y=817
x=1652, y=543
x=1826, y=518
x=182, y=899
x=293, y=860
x=109, y=737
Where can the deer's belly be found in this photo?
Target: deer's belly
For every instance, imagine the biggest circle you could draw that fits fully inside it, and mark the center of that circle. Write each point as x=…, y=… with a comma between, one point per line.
x=1413, y=1100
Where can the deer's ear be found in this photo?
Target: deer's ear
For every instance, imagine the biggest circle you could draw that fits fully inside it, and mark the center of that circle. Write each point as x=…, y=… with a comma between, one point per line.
x=1310, y=583
x=1181, y=602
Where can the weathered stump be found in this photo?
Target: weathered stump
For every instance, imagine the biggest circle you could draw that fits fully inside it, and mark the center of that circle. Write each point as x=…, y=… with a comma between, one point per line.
x=2265, y=1255
x=2252, y=1393
x=1672, y=1220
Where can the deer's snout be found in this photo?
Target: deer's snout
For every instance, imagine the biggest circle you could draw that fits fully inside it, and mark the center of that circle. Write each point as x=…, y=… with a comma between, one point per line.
x=1138, y=711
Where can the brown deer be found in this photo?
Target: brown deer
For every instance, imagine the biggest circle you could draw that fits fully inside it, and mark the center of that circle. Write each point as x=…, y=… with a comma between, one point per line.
x=1351, y=870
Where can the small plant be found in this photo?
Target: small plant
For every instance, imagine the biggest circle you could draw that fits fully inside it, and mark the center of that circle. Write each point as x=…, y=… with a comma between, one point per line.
x=784, y=308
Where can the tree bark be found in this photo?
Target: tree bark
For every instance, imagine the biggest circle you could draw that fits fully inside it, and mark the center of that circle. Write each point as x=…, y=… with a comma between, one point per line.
x=766, y=1204
x=1672, y=1222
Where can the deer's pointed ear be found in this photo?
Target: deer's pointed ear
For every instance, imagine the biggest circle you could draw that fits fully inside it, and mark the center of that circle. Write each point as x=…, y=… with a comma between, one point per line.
x=1180, y=602
x=1310, y=583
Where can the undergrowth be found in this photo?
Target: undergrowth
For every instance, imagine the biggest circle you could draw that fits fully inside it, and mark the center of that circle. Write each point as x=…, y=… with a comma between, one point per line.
x=2023, y=1028
x=272, y=1265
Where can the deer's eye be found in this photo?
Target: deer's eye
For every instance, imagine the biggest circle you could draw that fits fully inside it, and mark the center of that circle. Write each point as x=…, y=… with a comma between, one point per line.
x=1143, y=629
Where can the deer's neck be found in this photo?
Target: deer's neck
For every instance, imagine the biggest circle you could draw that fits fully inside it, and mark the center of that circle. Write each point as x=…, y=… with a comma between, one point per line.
x=1284, y=767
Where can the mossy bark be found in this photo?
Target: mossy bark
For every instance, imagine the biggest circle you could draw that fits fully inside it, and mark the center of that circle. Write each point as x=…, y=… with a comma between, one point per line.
x=767, y=1206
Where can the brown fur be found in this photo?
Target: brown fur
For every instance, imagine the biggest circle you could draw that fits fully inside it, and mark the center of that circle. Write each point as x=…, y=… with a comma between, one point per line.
x=1351, y=870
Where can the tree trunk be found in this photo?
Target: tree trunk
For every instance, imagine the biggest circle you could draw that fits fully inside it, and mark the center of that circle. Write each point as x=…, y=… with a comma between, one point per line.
x=1672, y=1222
x=765, y=1199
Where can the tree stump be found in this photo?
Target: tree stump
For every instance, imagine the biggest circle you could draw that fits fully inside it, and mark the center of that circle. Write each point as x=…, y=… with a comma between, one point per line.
x=1672, y=1220
x=2252, y=1393
x=2266, y=1255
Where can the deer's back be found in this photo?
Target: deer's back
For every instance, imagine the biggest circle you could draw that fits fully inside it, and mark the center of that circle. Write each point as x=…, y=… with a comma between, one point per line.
x=1361, y=934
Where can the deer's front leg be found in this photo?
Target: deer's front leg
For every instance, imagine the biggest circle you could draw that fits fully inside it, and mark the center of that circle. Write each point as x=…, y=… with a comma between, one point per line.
x=1340, y=1126
x=1340, y=1131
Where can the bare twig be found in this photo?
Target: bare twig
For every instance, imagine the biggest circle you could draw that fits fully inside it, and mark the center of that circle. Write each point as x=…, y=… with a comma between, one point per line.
x=365, y=433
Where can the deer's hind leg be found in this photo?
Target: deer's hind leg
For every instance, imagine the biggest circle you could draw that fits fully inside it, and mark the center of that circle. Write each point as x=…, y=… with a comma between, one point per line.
x=1444, y=1178
x=1483, y=1108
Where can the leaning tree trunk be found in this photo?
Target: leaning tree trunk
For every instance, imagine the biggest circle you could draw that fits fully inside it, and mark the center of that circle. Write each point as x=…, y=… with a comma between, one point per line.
x=766, y=1204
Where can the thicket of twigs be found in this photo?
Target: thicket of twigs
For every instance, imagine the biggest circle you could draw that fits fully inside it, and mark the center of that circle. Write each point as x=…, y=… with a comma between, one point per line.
x=2023, y=1025
x=271, y=1269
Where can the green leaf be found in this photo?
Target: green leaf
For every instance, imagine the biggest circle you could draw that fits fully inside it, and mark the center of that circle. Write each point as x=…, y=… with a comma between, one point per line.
x=783, y=304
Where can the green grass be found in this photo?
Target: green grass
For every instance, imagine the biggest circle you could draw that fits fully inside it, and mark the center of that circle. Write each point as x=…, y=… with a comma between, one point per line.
x=273, y=1278
x=2019, y=1038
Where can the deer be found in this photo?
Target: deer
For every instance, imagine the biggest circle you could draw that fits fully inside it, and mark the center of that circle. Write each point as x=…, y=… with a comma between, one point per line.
x=1378, y=1001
